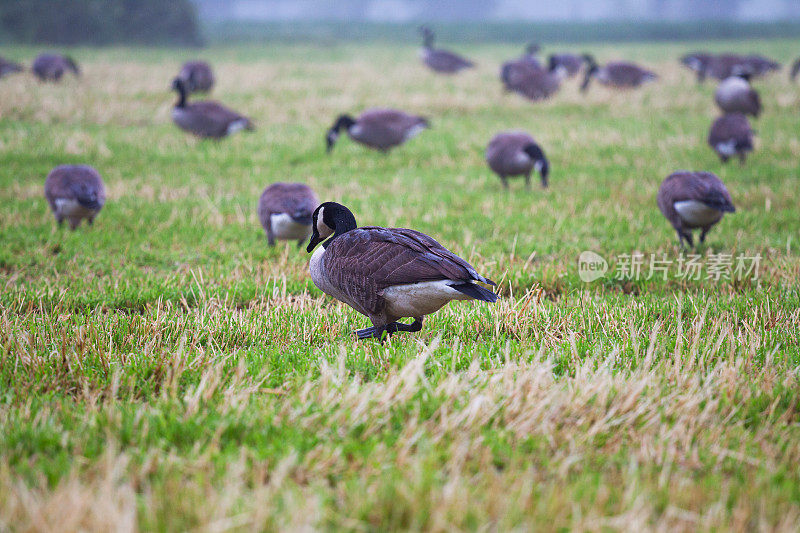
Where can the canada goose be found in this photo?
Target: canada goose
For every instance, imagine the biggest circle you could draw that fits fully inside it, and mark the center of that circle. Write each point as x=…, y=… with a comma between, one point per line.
x=515, y=153
x=8, y=67
x=50, y=67
x=439, y=60
x=698, y=63
x=534, y=83
x=285, y=210
x=795, y=69
x=206, y=119
x=74, y=192
x=387, y=273
x=197, y=76
x=691, y=200
x=381, y=129
x=759, y=65
x=731, y=135
x=619, y=74
x=735, y=95
x=570, y=63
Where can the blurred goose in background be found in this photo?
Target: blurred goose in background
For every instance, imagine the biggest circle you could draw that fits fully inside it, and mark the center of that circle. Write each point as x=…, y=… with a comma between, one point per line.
x=439, y=60
x=530, y=57
x=9, y=67
x=75, y=193
x=387, y=273
x=197, y=76
x=731, y=135
x=285, y=211
x=698, y=63
x=51, y=67
x=692, y=200
x=795, y=69
x=534, y=83
x=735, y=95
x=570, y=63
x=381, y=129
x=758, y=65
x=515, y=153
x=206, y=119
x=618, y=74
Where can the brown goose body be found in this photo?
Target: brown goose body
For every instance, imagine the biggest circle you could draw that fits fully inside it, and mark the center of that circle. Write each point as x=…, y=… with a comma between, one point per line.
x=9, y=67
x=51, y=67
x=516, y=153
x=197, y=76
x=759, y=65
x=735, y=95
x=438, y=60
x=570, y=63
x=75, y=193
x=731, y=135
x=617, y=74
x=698, y=63
x=206, y=119
x=532, y=82
x=387, y=273
x=381, y=129
x=285, y=211
x=693, y=200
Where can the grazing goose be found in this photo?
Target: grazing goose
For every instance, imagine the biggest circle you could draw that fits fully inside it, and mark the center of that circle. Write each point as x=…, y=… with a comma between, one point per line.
x=206, y=119
x=381, y=129
x=197, y=76
x=795, y=69
x=8, y=67
x=731, y=135
x=735, y=95
x=50, y=67
x=439, y=60
x=387, y=273
x=570, y=63
x=698, y=63
x=619, y=74
x=74, y=192
x=515, y=153
x=691, y=200
x=285, y=210
x=534, y=83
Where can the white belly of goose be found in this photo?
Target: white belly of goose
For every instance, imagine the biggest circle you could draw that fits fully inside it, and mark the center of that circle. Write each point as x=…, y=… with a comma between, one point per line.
x=419, y=299
x=237, y=125
x=696, y=214
x=71, y=208
x=727, y=148
x=284, y=227
x=413, y=131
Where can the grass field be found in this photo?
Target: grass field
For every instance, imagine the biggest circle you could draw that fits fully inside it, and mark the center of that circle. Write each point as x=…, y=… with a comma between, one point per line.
x=166, y=370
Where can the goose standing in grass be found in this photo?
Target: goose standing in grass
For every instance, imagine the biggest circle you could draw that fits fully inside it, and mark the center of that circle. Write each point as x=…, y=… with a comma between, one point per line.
x=439, y=60
x=698, y=63
x=795, y=69
x=618, y=74
x=206, y=119
x=731, y=135
x=381, y=129
x=387, y=273
x=515, y=153
x=285, y=211
x=51, y=67
x=735, y=95
x=534, y=83
x=9, y=67
x=197, y=76
x=693, y=200
x=75, y=193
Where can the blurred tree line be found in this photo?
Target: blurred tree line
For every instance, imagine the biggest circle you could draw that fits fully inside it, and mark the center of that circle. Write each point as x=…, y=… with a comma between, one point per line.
x=99, y=22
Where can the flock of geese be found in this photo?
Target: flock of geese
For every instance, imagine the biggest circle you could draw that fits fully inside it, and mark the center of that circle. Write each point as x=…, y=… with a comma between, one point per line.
x=391, y=273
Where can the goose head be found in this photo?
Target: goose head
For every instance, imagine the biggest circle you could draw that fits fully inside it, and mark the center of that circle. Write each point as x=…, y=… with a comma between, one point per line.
x=591, y=70
x=72, y=65
x=427, y=36
x=540, y=162
x=532, y=49
x=329, y=218
x=343, y=121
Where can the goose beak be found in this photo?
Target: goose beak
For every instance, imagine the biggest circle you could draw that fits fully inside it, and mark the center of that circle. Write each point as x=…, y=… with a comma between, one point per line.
x=315, y=240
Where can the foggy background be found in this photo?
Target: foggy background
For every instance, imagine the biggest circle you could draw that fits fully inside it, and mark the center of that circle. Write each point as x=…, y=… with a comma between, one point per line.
x=400, y=11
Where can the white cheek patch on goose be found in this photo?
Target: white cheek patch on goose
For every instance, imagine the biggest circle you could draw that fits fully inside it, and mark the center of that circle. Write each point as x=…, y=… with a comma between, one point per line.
x=322, y=228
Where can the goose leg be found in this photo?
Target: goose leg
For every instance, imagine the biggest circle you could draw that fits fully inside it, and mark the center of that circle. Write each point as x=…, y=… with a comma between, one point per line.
x=390, y=329
x=505, y=182
x=270, y=237
x=703, y=234
x=528, y=181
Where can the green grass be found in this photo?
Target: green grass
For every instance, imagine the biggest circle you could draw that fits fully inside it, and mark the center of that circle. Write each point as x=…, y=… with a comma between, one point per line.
x=166, y=370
